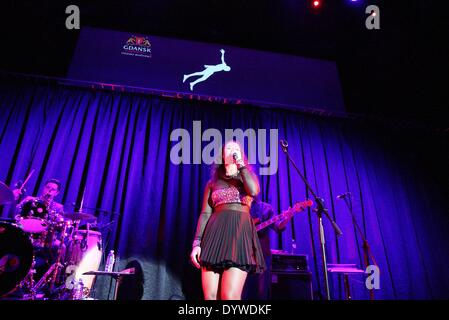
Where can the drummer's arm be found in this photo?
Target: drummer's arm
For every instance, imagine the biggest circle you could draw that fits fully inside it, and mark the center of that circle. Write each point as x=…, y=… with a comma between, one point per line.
x=59, y=208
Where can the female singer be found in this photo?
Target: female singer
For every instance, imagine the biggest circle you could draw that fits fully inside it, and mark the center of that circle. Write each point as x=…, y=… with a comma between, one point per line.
x=226, y=246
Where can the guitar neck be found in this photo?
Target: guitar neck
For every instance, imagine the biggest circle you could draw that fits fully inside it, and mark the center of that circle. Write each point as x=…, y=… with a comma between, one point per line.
x=265, y=224
x=299, y=206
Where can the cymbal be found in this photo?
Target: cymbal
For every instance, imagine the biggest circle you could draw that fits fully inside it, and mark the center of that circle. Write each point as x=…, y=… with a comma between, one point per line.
x=6, y=195
x=79, y=216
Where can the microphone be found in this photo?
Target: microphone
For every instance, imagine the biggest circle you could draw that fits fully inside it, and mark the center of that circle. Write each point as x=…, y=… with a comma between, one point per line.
x=236, y=160
x=73, y=204
x=344, y=195
x=83, y=244
x=107, y=225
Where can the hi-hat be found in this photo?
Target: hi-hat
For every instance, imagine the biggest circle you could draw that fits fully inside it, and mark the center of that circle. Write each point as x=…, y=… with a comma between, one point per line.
x=6, y=195
x=79, y=216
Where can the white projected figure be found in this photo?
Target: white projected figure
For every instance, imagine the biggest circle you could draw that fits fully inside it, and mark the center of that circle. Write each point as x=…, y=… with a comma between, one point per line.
x=206, y=73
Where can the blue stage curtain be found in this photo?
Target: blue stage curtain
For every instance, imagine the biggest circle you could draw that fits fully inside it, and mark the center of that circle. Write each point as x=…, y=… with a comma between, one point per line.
x=116, y=146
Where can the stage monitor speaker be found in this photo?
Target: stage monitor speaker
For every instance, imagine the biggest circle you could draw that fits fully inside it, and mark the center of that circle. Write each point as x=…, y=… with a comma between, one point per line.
x=291, y=286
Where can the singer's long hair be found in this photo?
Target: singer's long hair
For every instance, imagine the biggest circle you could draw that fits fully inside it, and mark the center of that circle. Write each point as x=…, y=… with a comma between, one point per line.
x=218, y=169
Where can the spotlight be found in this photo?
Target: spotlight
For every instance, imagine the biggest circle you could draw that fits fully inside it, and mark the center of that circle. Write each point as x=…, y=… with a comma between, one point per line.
x=316, y=6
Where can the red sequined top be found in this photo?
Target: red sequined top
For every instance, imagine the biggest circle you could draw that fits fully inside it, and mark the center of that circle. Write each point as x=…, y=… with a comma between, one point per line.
x=230, y=194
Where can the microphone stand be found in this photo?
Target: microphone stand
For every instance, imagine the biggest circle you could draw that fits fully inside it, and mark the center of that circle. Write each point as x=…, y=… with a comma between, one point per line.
x=320, y=210
x=83, y=244
x=367, y=254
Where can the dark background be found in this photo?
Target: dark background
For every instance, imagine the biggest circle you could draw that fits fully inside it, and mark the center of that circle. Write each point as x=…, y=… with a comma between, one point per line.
x=400, y=71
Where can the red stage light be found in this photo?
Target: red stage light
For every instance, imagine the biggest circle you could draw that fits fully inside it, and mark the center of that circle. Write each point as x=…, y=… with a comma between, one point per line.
x=316, y=3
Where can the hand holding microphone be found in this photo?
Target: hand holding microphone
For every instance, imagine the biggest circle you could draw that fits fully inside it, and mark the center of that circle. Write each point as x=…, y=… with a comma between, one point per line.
x=238, y=160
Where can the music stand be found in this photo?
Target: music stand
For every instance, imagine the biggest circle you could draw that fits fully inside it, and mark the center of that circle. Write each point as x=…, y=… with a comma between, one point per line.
x=345, y=270
x=118, y=276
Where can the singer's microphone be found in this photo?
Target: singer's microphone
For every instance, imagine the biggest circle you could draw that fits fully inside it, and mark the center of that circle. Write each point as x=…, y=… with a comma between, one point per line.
x=344, y=195
x=234, y=156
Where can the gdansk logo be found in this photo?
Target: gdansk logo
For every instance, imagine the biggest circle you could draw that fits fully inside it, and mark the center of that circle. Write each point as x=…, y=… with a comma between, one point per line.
x=137, y=46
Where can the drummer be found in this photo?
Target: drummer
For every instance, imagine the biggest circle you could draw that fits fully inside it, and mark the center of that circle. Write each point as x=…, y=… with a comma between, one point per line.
x=55, y=210
x=51, y=189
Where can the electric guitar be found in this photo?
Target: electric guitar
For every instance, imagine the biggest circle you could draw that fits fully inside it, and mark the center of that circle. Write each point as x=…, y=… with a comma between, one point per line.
x=299, y=206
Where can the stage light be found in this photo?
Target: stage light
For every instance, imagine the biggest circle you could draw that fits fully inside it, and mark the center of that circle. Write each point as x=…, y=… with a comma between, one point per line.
x=316, y=6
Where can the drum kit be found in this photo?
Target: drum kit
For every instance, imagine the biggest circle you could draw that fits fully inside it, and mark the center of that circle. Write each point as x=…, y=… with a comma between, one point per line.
x=44, y=254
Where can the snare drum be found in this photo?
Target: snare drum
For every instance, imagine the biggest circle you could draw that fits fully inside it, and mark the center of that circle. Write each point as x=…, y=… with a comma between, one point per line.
x=16, y=257
x=33, y=217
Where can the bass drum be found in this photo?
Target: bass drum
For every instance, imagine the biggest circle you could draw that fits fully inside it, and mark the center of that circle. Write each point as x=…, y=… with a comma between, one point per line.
x=16, y=257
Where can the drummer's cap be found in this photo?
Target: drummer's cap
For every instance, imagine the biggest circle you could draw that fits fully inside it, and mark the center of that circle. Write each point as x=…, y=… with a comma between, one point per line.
x=55, y=181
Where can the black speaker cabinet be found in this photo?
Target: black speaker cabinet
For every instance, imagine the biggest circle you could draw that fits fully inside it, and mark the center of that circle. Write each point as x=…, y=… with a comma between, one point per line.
x=291, y=286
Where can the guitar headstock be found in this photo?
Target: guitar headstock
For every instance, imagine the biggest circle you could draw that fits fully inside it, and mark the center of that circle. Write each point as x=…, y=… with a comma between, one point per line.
x=299, y=206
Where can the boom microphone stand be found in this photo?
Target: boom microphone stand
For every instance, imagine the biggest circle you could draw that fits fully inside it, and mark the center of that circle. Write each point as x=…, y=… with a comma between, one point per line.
x=319, y=211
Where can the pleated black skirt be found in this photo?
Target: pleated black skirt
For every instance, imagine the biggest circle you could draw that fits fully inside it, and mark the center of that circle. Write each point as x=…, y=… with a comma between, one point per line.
x=230, y=240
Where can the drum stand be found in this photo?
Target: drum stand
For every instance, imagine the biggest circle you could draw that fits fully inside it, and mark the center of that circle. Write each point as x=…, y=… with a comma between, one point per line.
x=28, y=283
x=52, y=273
x=53, y=270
